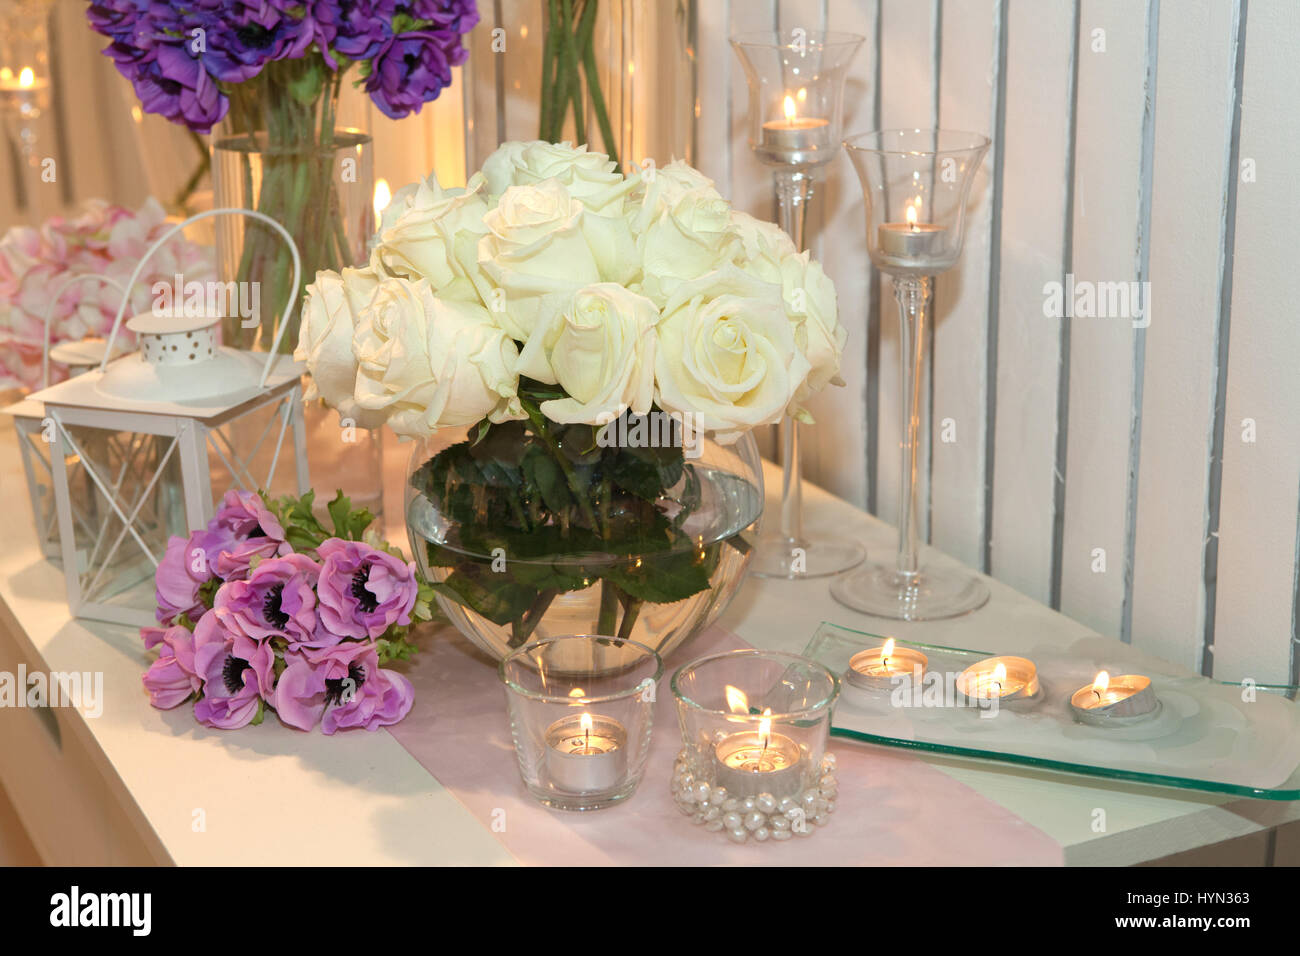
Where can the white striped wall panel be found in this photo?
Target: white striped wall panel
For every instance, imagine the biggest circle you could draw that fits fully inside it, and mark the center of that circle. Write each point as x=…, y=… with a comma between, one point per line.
x=1193, y=109
x=1035, y=208
x=969, y=99
x=1256, y=588
x=1111, y=113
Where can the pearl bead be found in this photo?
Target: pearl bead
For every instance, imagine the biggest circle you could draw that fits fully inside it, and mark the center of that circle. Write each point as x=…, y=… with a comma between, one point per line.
x=731, y=821
x=718, y=796
x=749, y=803
x=762, y=834
x=786, y=804
x=795, y=814
x=828, y=761
x=806, y=830
x=731, y=804
x=754, y=820
x=830, y=806
x=765, y=803
x=822, y=819
x=688, y=779
x=738, y=836
x=827, y=781
x=701, y=791
x=781, y=834
x=713, y=825
x=779, y=823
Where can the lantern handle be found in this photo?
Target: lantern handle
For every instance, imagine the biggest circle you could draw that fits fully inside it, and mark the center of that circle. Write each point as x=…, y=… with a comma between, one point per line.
x=49, y=314
x=274, y=354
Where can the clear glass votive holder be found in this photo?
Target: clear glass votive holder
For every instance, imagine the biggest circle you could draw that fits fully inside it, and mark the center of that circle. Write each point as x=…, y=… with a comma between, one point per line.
x=581, y=709
x=753, y=762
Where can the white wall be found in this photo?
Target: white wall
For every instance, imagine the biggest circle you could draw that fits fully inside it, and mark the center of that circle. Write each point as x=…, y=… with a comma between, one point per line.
x=1133, y=141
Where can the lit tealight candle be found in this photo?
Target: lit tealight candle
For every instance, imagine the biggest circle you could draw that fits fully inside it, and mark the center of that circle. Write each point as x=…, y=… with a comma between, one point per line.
x=751, y=762
x=884, y=667
x=1108, y=700
x=912, y=239
x=999, y=678
x=586, y=754
x=783, y=140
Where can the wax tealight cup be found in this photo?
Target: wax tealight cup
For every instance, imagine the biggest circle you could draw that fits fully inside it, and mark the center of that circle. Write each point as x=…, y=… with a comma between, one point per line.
x=885, y=667
x=753, y=763
x=1003, y=679
x=581, y=709
x=1115, y=701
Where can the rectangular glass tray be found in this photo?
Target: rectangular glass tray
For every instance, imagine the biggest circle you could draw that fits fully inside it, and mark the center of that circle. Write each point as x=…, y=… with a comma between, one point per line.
x=1206, y=736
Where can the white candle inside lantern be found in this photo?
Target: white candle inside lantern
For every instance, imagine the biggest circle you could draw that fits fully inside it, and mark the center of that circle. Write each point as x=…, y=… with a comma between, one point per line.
x=586, y=753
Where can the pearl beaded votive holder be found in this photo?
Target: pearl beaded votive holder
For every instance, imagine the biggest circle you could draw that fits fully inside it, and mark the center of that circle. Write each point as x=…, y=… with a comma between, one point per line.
x=753, y=763
x=581, y=709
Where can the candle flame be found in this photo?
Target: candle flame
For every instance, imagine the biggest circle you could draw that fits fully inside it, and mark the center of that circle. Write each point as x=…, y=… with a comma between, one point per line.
x=887, y=651
x=576, y=692
x=737, y=700
x=911, y=212
x=1000, y=673
x=26, y=77
x=789, y=108
x=803, y=94
x=765, y=728
x=585, y=723
x=1101, y=683
x=383, y=196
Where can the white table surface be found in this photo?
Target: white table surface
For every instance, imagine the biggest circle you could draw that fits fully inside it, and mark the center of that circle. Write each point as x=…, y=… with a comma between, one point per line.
x=278, y=796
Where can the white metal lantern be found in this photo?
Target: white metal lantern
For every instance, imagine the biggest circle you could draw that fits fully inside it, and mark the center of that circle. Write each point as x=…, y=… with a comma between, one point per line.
x=150, y=430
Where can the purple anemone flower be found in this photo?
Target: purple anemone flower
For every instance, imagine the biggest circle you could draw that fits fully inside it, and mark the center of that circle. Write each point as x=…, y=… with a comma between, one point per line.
x=237, y=674
x=360, y=693
x=242, y=529
x=409, y=70
x=172, y=678
x=363, y=591
x=181, y=572
x=278, y=599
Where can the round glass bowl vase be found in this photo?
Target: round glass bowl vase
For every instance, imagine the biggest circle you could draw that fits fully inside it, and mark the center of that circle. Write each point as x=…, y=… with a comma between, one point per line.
x=753, y=762
x=525, y=539
x=581, y=712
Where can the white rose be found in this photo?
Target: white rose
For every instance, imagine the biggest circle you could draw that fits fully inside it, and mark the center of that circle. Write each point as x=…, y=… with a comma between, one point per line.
x=537, y=253
x=693, y=238
x=430, y=362
x=329, y=314
x=727, y=353
x=601, y=350
x=660, y=189
x=436, y=238
x=592, y=178
x=810, y=298
x=399, y=203
x=764, y=246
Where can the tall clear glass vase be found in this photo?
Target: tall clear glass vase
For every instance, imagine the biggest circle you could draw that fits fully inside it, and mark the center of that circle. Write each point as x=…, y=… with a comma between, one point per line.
x=282, y=151
x=636, y=78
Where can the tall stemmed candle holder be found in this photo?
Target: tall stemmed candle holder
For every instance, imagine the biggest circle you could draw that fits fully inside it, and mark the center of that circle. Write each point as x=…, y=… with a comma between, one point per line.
x=796, y=87
x=916, y=182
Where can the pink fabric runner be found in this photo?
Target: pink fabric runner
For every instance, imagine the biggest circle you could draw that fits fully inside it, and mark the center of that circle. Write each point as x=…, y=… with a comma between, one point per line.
x=892, y=810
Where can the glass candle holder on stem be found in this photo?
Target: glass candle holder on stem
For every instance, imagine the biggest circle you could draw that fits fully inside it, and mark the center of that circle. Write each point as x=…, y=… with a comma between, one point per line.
x=916, y=182
x=581, y=709
x=753, y=762
x=796, y=90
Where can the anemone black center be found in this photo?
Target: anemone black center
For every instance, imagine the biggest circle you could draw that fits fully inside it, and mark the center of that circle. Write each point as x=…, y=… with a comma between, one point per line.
x=271, y=608
x=232, y=673
x=335, y=687
x=365, y=600
x=257, y=532
x=254, y=36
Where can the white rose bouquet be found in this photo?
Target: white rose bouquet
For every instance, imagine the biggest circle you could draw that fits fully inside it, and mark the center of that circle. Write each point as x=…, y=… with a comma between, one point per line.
x=550, y=302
